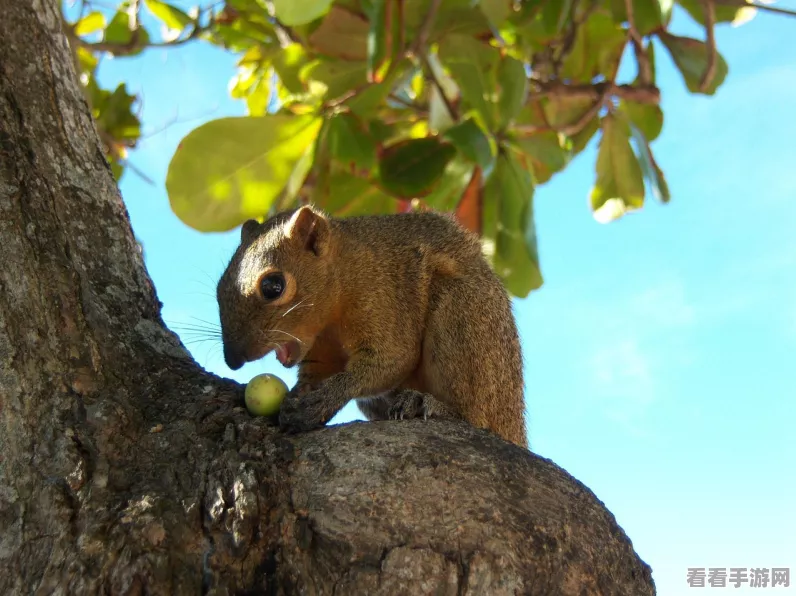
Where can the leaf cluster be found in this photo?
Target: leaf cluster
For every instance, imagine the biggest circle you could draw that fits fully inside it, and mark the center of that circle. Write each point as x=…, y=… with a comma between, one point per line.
x=381, y=106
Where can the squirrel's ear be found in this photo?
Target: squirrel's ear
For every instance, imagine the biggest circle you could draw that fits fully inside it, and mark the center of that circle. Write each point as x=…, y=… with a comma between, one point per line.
x=310, y=228
x=248, y=230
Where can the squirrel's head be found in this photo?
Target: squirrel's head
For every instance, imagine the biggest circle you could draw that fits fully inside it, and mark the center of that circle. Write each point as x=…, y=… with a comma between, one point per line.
x=274, y=292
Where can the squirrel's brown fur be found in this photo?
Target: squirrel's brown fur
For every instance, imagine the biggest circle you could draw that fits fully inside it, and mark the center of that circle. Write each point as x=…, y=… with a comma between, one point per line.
x=400, y=312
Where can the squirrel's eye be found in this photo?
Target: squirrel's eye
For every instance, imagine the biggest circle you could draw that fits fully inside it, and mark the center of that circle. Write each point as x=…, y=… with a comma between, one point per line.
x=272, y=286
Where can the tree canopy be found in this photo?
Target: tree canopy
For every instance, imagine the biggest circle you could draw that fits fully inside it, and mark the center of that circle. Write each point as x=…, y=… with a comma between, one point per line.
x=368, y=106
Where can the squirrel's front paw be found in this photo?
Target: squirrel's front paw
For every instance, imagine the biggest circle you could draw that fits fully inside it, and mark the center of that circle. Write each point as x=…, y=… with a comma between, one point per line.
x=410, y=404
x=304, y=413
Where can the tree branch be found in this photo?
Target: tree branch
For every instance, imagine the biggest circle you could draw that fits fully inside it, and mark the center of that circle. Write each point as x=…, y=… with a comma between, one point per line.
x=125, y=49
x=710, y=24
x=418, y=48
x=648, y=94
x=452, y=111
x=644, y=70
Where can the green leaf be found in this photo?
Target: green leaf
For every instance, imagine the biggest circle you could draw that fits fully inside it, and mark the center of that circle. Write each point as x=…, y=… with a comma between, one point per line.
x=598, y=47
x=367, y=101
x=337, y=76
x=259, y=97
x=497, y=11
x=649, y=50
x=386, y=27
x=509, y=232
x=448, y=192
x=562, y=112
x=620, y=185
x=411, y=168
x=474, y=66
x=300, y=12
x=92, y=22
x=691, y=58
x=350, y=143
x=172, y=17
x=651, y=171
x=87, y=60
x=548, y=153
x=231, y=169
x=581, y=139
x=724, y=13
x=512, y=88
x=119, y=32
x=342, y=34
x=117, y=169
x=116, y=114
x=349, y=195
x=288, y=63
x=472, y=142
x=648, y=15
x=542, y=21
x=647, y=118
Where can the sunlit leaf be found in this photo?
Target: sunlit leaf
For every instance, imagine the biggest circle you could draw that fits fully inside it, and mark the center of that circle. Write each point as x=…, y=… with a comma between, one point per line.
x=300, y=12
x=337, y=76
x=172, y=17
x=288, y=64
x=620, y=184
x=231, y=169
x=92, y=22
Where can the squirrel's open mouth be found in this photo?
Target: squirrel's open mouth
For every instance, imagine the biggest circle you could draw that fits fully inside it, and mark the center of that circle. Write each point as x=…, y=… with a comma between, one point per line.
x=288, y=353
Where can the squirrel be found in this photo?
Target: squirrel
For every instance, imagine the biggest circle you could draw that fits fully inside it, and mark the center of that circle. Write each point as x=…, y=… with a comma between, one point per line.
x=401, y=312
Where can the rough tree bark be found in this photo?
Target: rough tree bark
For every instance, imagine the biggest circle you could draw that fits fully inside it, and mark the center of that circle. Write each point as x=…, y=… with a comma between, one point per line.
x=126, y=469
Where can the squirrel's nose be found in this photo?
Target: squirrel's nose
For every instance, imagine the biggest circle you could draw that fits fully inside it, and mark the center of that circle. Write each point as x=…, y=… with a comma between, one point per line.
x=233, y=357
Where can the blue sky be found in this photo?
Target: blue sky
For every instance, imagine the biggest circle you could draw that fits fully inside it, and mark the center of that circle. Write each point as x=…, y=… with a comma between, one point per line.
x=660, y=366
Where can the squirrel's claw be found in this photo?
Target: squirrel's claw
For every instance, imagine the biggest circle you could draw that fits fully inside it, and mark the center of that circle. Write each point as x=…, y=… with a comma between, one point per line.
x=410, y=404
x=302, y=414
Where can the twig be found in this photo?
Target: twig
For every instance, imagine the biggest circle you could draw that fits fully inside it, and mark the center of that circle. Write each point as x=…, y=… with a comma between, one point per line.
x=648, y=94
x=710, y=23
x=569, y=130
x=412, y=106
x=123, y=49
x=418, y=48
x=644, y=71
x=452, y=112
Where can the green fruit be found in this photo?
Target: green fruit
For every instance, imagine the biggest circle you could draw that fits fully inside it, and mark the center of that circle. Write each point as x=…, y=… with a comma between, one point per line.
x=264, y=394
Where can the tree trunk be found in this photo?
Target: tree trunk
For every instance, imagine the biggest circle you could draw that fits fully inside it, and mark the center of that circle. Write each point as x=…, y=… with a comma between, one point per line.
x=126, y=469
